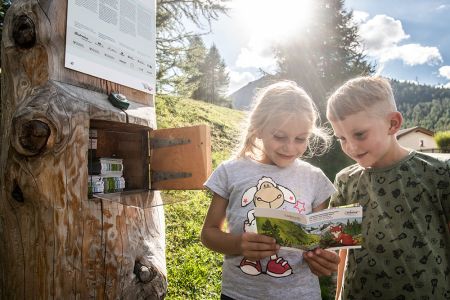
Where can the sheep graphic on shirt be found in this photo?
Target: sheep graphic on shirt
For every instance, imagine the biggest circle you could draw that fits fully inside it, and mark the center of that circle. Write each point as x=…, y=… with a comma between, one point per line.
x=265, y=194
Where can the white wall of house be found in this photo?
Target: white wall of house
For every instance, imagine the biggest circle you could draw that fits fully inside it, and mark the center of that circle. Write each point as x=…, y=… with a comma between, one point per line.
x=417, y=141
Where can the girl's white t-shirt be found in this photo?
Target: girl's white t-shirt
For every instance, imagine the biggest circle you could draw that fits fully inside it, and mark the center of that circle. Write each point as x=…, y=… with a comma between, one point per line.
x=245, y=183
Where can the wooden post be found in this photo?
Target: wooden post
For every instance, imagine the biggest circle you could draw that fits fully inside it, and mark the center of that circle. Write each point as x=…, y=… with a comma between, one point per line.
x=56, y=242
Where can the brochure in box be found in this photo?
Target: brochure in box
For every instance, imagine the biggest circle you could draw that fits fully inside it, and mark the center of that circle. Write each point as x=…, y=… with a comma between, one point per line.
x=331, y=229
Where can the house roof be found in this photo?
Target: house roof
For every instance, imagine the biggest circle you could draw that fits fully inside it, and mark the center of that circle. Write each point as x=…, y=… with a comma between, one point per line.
x=403, y=132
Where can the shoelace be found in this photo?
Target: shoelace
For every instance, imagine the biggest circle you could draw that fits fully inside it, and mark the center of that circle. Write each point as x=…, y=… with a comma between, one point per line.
x=281, y=259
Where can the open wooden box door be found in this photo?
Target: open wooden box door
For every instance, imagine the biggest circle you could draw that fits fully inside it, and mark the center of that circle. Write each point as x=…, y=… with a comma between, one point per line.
x=180, y=158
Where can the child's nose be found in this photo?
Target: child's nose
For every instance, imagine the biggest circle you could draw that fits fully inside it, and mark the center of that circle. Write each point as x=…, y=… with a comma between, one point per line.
x=289, y=146
x=351, y=147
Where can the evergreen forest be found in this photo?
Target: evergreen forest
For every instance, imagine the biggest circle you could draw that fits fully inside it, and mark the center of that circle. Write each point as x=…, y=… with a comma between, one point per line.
x=423, y=105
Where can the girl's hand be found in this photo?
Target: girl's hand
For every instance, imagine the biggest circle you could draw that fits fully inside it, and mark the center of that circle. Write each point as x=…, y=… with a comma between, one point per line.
x=321, y=262
x=257, y=246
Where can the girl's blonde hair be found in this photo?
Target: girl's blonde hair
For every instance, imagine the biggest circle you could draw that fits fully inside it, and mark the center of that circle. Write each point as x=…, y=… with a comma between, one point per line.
x=278, y=99
x=365, y=93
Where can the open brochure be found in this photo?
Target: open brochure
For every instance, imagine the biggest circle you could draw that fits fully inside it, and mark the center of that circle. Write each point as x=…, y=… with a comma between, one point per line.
x=331, y=229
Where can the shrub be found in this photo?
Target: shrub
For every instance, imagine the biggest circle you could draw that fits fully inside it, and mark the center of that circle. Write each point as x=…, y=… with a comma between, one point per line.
x=442, y=139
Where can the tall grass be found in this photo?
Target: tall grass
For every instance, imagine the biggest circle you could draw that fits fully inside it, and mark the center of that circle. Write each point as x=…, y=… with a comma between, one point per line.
x=194, y=272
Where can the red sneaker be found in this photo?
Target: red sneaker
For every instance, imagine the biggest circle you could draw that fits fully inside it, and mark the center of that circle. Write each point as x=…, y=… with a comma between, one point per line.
x=278, y=267
x=250, y=267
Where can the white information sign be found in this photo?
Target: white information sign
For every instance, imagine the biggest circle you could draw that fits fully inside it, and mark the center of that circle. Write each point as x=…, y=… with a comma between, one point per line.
x=113, y=40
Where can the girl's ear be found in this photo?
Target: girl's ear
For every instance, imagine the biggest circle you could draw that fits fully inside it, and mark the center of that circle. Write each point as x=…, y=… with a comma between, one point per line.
x=396, y=121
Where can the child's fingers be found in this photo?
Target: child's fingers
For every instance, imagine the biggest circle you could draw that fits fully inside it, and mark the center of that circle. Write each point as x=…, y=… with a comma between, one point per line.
x=258, y=254
x=329, y=256
x=258, y=246
x=317, y=268
x=257, y=238
x=258, y=242
x=322, y=262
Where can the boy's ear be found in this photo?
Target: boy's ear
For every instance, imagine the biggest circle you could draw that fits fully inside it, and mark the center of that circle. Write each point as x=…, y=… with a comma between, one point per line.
x=396, y=121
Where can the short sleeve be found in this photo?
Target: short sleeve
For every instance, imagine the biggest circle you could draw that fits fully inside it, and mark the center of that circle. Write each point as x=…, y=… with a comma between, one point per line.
x=324, y=188
x=338, y=199
x=218, y=182
x=346, y=182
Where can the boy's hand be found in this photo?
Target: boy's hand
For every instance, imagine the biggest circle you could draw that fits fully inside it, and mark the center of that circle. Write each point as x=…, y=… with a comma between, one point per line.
x=257, y=246
x=321, y=262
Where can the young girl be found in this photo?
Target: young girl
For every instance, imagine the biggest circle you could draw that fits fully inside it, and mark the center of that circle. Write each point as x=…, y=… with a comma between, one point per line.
x=267, y=172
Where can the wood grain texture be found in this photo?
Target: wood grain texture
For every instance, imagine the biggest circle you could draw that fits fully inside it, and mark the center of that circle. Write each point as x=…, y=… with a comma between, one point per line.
x=54, y=241
x=193, y=157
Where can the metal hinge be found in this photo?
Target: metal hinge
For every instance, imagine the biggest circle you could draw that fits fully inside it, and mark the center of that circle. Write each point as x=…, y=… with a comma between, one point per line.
x=162, y=175
x=156, y=143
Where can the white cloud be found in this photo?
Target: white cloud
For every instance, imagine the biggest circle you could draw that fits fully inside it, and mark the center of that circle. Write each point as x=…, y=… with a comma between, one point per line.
x=381, y=38
x=359, y=16
x=382, y=32
x=445, y=72
x=257, y=54
x=413, y=54
x=443, y=7
x=238, y=80
x=251, y=58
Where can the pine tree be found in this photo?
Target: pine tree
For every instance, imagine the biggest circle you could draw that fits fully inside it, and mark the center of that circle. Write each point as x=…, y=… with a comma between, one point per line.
x=214, y=79
x=172, y=36
x=189, y=79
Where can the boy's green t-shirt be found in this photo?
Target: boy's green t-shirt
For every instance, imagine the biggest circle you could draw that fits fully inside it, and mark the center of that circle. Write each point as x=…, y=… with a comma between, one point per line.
x=406, y=247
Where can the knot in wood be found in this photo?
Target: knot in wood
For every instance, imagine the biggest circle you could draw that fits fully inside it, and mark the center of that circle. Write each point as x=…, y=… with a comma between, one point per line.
x=34, y=136
x=24, y=32
x=144, y=273
x=17, y=193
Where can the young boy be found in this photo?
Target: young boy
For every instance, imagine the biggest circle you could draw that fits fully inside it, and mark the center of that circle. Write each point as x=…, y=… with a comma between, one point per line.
x=405, y=198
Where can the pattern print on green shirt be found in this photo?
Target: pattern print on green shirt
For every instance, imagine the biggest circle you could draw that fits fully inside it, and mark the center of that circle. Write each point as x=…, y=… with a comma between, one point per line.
x=406, y=212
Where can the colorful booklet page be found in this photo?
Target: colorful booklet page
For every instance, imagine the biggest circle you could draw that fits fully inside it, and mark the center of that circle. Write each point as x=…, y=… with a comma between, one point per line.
x=331, y=229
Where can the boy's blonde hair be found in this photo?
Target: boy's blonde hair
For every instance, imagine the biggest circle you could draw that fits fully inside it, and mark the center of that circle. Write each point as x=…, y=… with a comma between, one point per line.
x=373, y=94
x=283, y=98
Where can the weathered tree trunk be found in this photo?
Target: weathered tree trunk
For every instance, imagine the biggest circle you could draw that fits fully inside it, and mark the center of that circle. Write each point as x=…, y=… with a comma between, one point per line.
x=55, y=242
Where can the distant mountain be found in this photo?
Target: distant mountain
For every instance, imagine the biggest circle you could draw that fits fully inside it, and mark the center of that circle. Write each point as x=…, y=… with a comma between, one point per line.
x=421, y=105
x=242, y=98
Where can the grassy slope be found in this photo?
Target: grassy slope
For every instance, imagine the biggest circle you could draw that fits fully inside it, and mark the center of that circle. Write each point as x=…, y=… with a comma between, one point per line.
x=194, y=272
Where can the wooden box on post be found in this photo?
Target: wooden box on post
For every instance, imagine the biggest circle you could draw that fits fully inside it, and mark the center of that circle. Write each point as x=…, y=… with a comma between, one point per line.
x=155, y=159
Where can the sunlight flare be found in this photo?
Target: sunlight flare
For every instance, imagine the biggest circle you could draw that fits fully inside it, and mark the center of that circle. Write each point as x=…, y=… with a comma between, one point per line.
x=275, y=19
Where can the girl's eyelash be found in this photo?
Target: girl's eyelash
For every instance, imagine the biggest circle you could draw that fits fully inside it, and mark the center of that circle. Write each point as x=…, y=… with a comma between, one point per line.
x=278, y=137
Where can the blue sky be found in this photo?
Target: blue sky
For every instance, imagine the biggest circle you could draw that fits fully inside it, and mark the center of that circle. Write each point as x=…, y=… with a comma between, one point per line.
x=407, y=39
